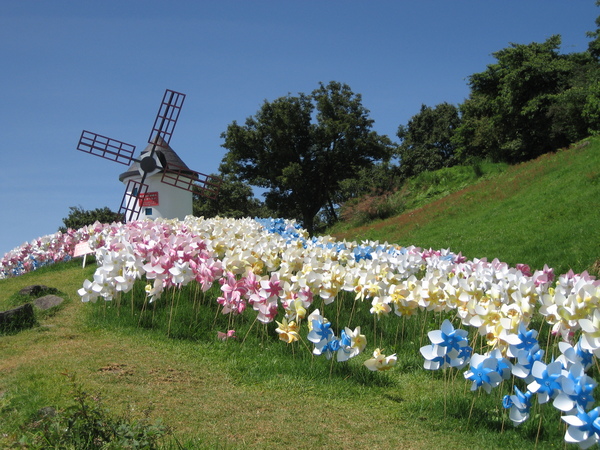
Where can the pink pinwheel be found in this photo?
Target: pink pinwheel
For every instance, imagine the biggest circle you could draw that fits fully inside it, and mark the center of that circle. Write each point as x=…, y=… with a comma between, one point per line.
x=267, y=310
x=272, y=287
x=233, y=292
x=224, y=336
x=543, y=277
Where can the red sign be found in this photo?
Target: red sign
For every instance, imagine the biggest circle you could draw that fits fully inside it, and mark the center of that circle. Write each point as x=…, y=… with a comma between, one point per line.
x=149, y=199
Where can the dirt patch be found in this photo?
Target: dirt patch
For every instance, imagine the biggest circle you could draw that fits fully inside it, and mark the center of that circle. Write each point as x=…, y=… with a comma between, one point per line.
x=170, y=375
x=117, y=369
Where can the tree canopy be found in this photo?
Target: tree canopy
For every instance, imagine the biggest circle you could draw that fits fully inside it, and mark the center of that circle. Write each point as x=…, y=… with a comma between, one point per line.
x=235, y=199
x=300, y=148
x=594, y=45
x=79, y=217
x=426, y=139
x=528, y=103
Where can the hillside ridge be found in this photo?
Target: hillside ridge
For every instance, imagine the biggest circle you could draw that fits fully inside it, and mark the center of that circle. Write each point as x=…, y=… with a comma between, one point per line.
x=516, y=216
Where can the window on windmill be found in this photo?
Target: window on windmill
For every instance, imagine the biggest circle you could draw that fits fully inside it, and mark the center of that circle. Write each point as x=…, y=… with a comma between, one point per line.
x=148, y=211
x=134, y=192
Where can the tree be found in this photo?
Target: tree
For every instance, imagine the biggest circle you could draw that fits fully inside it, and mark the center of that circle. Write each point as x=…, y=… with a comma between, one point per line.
x=78, y=217
x=235, y=199
x=426, y=140
x=513, y=111
x=591, y=109
x=570, y=110
x=594, y=45
x=301, y=147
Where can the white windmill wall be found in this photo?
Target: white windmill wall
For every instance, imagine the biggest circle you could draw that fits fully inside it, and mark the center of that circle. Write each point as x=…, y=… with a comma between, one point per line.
x=173, y=203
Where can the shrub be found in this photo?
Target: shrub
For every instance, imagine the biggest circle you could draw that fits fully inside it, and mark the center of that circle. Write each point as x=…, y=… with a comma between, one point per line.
x=87, y=424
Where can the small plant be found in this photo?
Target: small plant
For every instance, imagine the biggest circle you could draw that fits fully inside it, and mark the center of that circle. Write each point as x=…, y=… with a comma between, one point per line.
x=88, y=424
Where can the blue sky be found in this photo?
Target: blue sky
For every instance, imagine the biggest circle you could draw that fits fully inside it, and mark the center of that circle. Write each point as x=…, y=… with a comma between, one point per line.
x=103, y=66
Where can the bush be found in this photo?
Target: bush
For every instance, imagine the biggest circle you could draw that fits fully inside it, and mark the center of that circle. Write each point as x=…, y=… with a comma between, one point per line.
x=372, y=207
x=87, y=424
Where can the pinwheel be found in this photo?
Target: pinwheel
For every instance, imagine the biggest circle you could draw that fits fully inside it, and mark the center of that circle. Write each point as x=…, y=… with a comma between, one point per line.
x=519, y=404
x=483, y=372
x=380, y=362
x=584, y=427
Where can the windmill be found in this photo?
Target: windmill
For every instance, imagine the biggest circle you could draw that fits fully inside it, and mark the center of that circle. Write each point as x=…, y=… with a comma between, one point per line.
x=158, y=160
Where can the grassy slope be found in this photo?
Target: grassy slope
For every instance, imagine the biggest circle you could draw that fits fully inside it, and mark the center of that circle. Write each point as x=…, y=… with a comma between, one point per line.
x=545, y=211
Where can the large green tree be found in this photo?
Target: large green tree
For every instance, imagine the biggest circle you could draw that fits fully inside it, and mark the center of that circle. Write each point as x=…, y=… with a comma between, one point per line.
x=426, y=141
x=300, y=148
x=524, y=105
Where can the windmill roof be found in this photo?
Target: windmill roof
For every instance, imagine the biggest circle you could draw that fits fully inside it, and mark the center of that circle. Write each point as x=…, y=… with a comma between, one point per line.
x=165, y=153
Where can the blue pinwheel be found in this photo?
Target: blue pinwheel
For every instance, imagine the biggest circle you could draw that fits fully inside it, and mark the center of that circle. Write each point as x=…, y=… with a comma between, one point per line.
x=519, y=404
x=449, y=348
x=483, y=372
x=584, y=427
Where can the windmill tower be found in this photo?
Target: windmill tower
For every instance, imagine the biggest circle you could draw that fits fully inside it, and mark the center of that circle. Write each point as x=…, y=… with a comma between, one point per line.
x=158, y=183
x=161, y=199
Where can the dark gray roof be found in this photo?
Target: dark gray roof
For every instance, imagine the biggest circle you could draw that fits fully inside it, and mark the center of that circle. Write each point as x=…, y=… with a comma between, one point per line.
x=165, y=153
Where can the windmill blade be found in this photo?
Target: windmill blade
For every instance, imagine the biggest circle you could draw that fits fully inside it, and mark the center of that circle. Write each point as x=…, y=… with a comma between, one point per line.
x=132, y=202
x=209, y=187
x=184, y=178
x=106, y=147
x=167, y=116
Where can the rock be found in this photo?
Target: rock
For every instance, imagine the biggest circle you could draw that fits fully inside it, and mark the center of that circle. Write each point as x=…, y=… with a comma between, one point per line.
x=47, y=302
x=17, y=318
x=37, y=289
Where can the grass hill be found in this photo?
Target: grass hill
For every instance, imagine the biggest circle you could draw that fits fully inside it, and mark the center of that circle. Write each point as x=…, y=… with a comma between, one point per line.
x=544, y=211
x=257, y=392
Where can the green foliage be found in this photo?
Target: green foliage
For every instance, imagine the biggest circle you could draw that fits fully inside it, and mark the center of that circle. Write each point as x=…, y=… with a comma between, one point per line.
x=78, y=217
x=591, y=110
x=594, y=45
x=528, y=103
x=235, y=199
x=88, y=424
x=378, y=183
x=426, y=141
x=428, y=186
x=301, y=163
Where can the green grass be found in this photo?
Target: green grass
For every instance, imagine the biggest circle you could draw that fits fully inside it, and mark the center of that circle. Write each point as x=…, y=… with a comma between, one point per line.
x=544, y=211
x=428, y=186
x=414, y=193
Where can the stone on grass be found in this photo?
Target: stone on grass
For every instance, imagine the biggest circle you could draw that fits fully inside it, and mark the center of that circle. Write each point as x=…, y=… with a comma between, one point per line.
x=37, y=289
x=17, y=318
x=47, y=302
